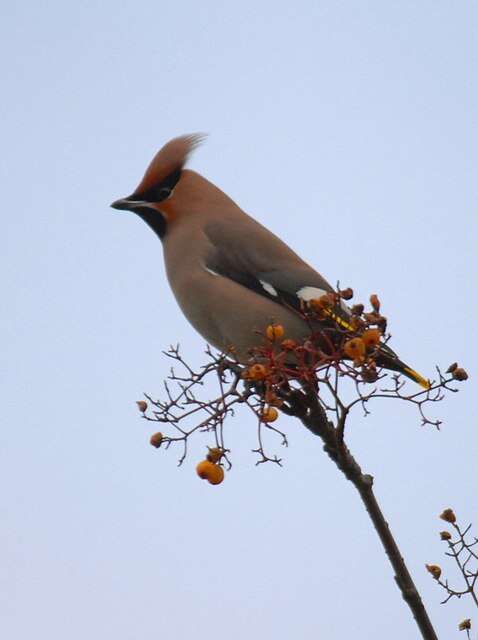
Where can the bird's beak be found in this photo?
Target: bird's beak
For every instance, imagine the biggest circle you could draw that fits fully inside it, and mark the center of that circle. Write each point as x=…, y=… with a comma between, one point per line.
x=128, y=204
x=122, y=204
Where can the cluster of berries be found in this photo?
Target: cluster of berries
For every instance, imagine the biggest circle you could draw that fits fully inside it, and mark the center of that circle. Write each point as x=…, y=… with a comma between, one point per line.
x=357, y=337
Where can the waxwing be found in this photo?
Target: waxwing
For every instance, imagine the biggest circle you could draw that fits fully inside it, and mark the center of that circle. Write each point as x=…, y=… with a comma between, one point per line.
x=230, y=275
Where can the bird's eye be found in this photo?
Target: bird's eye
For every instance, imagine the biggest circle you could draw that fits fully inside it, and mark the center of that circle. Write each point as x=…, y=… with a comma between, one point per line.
x=164, y=193
x=164, y=190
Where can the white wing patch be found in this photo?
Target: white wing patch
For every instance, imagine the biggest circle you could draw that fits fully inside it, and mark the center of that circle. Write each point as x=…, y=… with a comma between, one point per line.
x=210, y=271
x=268, y=287
x=310, y=293
x=313, y=293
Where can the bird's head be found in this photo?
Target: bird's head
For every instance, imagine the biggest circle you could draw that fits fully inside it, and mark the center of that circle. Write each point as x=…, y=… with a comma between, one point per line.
x=153, y=199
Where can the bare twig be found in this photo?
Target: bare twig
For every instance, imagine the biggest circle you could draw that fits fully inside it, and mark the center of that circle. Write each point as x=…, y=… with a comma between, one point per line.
x=320, y=382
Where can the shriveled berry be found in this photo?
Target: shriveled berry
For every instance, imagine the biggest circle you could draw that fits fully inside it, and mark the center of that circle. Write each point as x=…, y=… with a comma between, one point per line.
x=156, y=439
x=346, y=294
x=465, y=625
x=214, y=454
x=448, y=515
x=434, y=569
x=460, y=374
x=375, y=302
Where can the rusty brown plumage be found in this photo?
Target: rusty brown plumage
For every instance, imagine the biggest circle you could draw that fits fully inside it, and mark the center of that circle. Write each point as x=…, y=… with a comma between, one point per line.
x=171, y=157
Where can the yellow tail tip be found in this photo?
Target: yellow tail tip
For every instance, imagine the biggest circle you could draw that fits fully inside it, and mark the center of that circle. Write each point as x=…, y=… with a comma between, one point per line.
x=423, y=382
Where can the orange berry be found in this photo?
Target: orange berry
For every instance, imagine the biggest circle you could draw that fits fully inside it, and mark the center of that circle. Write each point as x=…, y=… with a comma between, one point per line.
x=275, y=332
x=371, y=338
x=205, y=468
x=269, y=415
x=156, y=439
x=324, y=302
x=216, y=475
x=142, y=405
x=257, y=372
x=215, y=454
x=355, y=349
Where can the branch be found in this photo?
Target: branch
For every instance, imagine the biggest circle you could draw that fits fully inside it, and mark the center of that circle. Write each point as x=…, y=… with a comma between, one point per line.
x=316, y=421
x=311, y=381
x=464, y=551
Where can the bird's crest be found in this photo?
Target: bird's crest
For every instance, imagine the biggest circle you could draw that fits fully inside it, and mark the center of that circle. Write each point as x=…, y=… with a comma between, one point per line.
x=170, y=158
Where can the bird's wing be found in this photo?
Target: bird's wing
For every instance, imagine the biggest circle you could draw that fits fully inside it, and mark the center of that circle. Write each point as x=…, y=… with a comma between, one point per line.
x=258, y=260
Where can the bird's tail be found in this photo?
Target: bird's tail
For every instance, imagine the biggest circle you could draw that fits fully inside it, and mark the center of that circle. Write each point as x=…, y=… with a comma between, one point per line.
x=389, y=360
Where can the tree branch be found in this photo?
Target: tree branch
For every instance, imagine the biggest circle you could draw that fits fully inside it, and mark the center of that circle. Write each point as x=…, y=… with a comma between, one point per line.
x=316, y=421
x=310, y=381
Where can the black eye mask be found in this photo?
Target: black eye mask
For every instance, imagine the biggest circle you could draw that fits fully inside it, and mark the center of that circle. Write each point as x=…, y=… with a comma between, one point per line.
x=163, y=190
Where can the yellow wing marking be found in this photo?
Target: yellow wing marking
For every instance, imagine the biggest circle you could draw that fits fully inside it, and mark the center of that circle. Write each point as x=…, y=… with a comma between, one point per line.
x=418, y=378
x=339, y=320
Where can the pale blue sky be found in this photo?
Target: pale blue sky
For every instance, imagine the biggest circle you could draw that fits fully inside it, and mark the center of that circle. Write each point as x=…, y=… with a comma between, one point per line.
x=350, y=129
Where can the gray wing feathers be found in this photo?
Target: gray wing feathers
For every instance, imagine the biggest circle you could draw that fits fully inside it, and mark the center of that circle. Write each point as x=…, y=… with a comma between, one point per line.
x=251, y=255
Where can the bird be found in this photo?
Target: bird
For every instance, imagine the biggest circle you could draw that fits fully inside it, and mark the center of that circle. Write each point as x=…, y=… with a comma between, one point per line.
x=230, y=275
